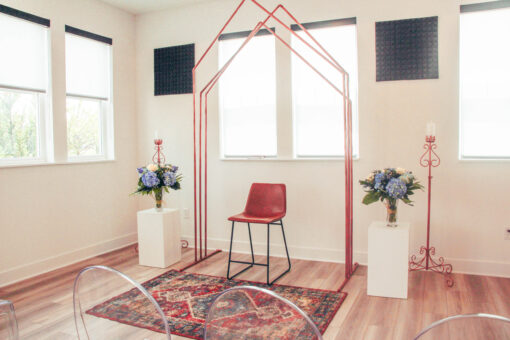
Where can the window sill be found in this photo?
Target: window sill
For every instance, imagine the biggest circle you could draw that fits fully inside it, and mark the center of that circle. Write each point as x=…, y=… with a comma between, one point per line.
x=482, y=159
x=42, y=163
x=285, y=159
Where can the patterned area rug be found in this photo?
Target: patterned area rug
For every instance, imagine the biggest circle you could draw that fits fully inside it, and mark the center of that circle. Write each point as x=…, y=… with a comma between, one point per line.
x=185, y=299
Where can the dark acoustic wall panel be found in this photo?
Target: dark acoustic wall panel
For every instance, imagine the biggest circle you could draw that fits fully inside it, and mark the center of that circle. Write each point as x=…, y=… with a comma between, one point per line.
x=173, y=68
x=407, y=49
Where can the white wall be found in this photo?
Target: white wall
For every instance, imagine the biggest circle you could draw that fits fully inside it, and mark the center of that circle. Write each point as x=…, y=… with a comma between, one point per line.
x=469, y=199
x=53, y=215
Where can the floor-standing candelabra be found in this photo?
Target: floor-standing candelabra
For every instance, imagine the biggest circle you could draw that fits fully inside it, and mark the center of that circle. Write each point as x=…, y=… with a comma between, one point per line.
x=430, y=160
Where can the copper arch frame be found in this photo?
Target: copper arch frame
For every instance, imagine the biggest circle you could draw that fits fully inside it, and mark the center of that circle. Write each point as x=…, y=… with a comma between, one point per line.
x=200, y=205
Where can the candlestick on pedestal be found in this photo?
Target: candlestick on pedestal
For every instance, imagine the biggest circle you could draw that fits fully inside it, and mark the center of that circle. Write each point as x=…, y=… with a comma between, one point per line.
x=431, y=160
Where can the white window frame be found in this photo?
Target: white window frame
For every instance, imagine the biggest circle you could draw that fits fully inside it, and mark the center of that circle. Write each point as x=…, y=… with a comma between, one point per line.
x=44, y=114
x=106, y=117
x=490, y=6
x=285, y=136
x=223, y=155
x=355, y=116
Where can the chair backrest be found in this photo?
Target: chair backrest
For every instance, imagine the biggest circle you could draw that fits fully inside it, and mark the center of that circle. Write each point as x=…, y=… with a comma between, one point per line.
x=266, y=199
x=247, y=312
x=98, y=314
x=468, y=326
x=8, y=323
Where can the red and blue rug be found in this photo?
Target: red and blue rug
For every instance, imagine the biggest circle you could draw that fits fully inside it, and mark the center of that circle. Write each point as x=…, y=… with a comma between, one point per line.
x=185, y=299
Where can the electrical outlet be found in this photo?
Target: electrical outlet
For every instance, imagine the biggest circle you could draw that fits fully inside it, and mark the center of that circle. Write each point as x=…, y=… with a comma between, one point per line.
x=185, y=212
x=507, y=233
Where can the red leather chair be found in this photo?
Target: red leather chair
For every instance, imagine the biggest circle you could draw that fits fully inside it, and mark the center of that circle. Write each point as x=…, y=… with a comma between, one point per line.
x=267, y=204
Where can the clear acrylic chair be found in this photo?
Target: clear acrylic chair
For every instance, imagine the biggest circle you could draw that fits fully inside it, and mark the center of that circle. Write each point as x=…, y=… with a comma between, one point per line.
x=255, y=313
x=110, y=305
x=8, y=323
x=468, y=326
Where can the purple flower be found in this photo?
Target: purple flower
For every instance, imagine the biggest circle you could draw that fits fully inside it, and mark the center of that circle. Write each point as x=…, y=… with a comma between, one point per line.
x=175, y=168
x=140, y=170
x=378, y=180
x=150, y=179
x=169, y=178
x=396, y=188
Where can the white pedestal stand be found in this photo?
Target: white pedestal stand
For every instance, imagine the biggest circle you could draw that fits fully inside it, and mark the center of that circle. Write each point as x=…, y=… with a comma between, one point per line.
x=159, y=237
x=388, y=256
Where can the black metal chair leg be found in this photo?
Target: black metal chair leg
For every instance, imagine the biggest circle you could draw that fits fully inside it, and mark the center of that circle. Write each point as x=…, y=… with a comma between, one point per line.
x=230, y=255
x=286, y=249
x=288, y=258
x=268, y=232
x=230, y=250
x=252, y=263
x=251, y=245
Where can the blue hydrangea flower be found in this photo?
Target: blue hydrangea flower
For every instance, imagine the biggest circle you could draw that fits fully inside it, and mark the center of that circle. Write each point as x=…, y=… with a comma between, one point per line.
x=175, y=168
x=378, y=181
x=169, y=178
x=396, y=188
x=140, y=171
x=150, y=179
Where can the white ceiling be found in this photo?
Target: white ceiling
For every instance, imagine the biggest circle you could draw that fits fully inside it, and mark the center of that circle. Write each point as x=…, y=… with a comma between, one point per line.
x=144, y=6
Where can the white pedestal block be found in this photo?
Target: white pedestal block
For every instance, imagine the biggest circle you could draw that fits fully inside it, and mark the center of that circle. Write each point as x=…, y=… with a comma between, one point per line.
x=159, y=237
x=388, y=256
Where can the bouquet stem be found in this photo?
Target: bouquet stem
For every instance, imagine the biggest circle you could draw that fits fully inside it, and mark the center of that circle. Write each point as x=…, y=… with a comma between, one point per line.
x=158, y=193
x=391, y=212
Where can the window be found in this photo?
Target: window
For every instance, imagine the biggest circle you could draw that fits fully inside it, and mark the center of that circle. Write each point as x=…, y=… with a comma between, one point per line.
x=247, y=98
x=318, y=116
x=24, y=115
x=89, y=105
x=484, y=85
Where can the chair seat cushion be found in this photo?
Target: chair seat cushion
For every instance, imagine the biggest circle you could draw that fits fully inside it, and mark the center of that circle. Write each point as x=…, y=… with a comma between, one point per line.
x=244, y=217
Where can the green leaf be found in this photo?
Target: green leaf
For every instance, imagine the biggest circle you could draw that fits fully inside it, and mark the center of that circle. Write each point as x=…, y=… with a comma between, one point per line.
x=371, y=197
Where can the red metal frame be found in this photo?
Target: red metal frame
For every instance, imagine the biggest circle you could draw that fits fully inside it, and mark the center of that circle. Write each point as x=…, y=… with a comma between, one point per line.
x=431, y=160
x=201, y=253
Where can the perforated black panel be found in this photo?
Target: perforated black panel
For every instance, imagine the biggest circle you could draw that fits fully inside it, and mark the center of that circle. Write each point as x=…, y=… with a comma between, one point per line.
x=173, y=68
x=407, y=49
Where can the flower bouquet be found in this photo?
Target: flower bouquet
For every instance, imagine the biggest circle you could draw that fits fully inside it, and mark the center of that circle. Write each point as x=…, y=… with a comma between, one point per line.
x=389, y=186
x=156, y=178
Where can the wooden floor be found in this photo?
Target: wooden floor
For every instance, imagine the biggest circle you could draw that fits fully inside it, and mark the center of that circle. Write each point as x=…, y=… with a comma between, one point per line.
x=44, y=303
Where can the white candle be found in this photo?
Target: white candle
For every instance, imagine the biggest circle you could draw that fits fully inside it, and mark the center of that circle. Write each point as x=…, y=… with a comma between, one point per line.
x=156, y=135
x=431, y=129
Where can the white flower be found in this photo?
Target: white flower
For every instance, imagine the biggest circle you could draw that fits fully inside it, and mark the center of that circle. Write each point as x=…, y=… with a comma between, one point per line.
x=370, y=177
x=407, y=178
x=401, y=171
x=152, y=167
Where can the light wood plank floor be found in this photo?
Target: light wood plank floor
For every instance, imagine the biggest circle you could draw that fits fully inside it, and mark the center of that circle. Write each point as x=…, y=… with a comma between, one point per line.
x=44, y=303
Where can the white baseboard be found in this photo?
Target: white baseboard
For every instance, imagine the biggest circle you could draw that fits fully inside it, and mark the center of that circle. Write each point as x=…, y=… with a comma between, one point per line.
x=477, y=267
x=278, y=250
x=463, y=266
x=51, y=263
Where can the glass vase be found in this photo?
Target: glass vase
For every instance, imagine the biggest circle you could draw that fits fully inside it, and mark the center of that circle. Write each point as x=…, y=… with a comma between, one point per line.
x=391, y=212
x=158, y=195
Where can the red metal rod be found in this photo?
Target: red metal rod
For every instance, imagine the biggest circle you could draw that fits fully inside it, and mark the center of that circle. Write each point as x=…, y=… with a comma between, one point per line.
x=344, y=282
x=304, y=60
x=298, y=36
x=429, y=200
x=338, y=66
x=194, y=163
x=194, y=118
x=200, y=177
x=205, y=181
